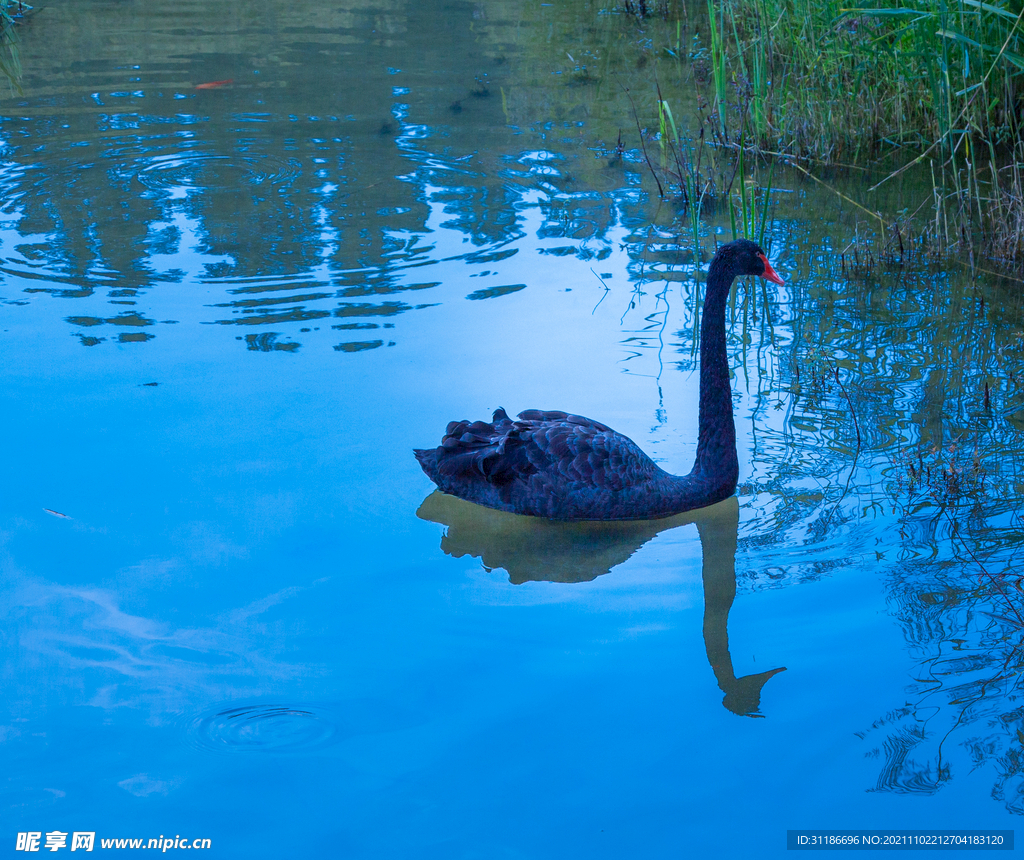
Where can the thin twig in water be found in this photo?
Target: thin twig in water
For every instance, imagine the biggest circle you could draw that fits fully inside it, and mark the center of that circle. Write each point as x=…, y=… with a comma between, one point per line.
x=856, y=427
x=849, y=200
x=607, y=289
x=853, y=413
x=643, y=145
x=789, y=156
x=954, y=533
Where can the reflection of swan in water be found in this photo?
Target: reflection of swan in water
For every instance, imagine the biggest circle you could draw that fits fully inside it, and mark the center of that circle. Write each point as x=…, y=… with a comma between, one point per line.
x=718, y=532
x=534, y=549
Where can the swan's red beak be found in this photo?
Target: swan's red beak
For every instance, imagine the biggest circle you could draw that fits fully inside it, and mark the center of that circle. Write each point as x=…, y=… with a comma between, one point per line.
x=769, y=273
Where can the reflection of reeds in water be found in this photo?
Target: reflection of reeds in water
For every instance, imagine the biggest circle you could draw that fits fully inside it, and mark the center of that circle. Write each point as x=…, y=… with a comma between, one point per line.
x=929, y=392
x=902, y=774
x=960, y=599
x=641, y=9
x=962, y=716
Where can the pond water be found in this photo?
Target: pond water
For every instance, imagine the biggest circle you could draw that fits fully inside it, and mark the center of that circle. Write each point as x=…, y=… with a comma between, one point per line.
x=253, y=255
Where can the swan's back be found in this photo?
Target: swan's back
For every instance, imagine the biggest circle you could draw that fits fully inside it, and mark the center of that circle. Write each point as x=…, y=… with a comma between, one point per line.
x=548, y=464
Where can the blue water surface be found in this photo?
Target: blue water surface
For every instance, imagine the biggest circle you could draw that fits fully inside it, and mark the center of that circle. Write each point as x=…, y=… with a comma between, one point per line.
x=251, y=258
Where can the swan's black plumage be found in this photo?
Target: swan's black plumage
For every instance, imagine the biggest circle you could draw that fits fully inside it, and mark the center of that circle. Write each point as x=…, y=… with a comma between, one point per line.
x=567, y=467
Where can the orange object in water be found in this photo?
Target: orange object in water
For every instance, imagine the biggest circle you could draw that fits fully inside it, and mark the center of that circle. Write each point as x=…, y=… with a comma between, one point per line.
x=212, y=84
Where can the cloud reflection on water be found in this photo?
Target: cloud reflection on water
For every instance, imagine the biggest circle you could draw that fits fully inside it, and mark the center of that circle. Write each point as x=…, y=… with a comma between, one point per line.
x=111, y=658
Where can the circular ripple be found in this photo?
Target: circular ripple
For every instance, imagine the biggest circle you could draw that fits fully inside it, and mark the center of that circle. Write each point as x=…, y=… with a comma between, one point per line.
x=194, y=171
x=262, y=728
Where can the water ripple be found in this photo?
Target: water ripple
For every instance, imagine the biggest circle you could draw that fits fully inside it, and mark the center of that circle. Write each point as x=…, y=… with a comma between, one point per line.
x=273, y=728
x=199, y=170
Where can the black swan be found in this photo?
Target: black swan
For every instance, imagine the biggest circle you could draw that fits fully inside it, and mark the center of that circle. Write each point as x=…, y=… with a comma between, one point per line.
x=566, y=467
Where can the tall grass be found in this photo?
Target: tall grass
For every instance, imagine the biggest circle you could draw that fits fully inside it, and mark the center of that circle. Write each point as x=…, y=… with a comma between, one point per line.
x=836, y=79
x=10, y=63
x=910, y=80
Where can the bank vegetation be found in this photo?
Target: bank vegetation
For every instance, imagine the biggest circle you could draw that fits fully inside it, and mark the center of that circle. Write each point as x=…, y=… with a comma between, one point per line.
x=932, y=86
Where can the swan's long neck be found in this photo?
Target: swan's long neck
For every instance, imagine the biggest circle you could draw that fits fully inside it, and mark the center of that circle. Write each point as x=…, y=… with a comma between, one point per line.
x=716, y=464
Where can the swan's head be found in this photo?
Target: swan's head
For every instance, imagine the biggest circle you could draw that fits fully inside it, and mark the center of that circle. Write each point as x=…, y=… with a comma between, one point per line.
x=744, y=257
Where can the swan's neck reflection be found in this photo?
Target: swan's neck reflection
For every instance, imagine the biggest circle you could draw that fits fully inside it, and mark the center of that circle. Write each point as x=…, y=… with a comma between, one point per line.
x=533, y=549
x=718, y=548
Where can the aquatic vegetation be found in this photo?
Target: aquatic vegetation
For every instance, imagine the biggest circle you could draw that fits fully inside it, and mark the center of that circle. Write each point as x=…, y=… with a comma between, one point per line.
x=952, y=489
x=945, y=474
x=930, y=83
x=835, y=81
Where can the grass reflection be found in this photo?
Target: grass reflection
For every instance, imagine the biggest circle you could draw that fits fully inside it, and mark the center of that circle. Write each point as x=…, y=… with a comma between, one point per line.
x=897, y=420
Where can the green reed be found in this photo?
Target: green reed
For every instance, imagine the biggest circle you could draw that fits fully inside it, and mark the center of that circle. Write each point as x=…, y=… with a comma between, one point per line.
x=10, y=61
x=754, y=202
x=719, y=68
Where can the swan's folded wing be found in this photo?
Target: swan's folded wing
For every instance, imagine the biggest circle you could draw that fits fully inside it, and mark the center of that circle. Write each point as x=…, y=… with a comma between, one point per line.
x=541, y=449
x=579, y=450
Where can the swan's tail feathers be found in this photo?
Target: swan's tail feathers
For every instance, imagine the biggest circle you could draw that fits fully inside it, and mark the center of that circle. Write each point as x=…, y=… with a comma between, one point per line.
x=428, y=461
x=466, y=454
x=476, y=459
